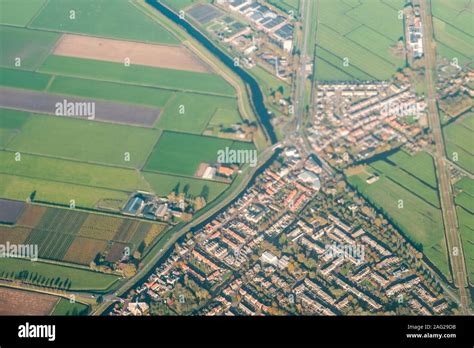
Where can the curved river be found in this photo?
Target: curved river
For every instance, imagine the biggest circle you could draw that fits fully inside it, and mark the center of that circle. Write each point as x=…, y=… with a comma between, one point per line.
x=255, y=91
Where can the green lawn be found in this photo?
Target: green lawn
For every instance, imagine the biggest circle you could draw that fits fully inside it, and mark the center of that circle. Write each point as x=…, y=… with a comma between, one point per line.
x=11, y=122
x=21, y=187
x=163, y=184
x=179, y=153
x=23, y=79
x=138, y=75
x=14, y=12
x=72, y=172
x=198, y=110
x=363, y=32
x=81, y=279
x=420, y=165
x=110, y=91
x=65, y=307
x=458, y=139
x=420, y=221
x=225, y=117
x=87, y=141
x=108, y=18
x=30, y=46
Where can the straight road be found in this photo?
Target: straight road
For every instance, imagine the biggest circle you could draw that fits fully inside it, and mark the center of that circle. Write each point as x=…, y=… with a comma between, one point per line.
x=453, y=239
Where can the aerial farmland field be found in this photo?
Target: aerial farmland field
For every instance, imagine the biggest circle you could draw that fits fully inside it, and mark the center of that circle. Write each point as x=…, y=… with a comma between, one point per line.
x=85, y=141
x=362, y=34
x=88, y=19
x=409, y=200
x=184, y=159
x=19, y=13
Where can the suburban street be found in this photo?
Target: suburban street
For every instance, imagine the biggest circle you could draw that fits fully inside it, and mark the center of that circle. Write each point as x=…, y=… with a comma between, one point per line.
x=453, y=238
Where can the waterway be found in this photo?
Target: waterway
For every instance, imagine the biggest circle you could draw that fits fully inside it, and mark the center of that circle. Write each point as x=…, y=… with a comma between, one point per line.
x=255, y=92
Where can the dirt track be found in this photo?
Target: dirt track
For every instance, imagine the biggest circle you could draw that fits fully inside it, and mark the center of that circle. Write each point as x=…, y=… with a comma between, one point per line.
x=160, y=56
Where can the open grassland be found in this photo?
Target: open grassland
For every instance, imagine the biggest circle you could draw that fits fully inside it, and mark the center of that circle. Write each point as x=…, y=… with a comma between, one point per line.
x=19, y=13
x=225, y=117
x=458, y=137
x=24, y=79
x=24, y=48
x=42, y=273
x=178, y=5
x=22, y=302
x=362, y=32
x=138, y=75
x=286, y=5
x=72, y=172
x=465, y=212
x=163, y=184
x=420, y=221
x=90, y=19
x=179, y=153
x=408, y=182
x=21, y=188
x=420, y=165
x=124, y=93
x=11, y=122
x=66, y=307
x=85, y=141
x=196, y=110
x=454, y=29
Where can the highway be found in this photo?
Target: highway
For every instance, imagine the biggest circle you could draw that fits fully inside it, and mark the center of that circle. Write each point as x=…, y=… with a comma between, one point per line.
x=453, y=239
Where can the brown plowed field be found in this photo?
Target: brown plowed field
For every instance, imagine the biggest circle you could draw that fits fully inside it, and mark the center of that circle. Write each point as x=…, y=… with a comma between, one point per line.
x=19, y=302
x=158, y=56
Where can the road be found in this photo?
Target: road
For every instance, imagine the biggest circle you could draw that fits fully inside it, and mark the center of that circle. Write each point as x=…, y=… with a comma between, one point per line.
x=453, y=239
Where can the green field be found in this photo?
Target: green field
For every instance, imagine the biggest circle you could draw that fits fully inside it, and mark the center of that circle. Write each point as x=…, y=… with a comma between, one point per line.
x=163, y=184
x=24, y=79
x=72, y=172
x=14, y=12
x=21, y=188
x=465, y=212
x=225, y=117
x=84, y=140
x=178, y=5
x=90, y=19
x=30, y=46
x=179, y=153
x=286, y=5
x=11, y=122
x=80, y=279
x=66, y=307
x=138, y=75
x=420, y=218
x=454, y=29
x=124, y=93
x=362, y=32
x=458, y=137
x=198, y=110
x=416, y=165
